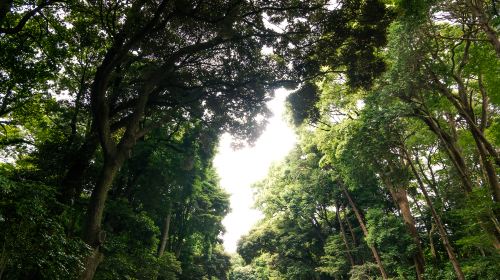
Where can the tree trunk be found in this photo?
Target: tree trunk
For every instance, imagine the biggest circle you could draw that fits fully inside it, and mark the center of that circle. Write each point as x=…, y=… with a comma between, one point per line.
x=452, y=150
x=442, y=232
x=93, y=235
x=91, y=264
x=489, y=169
x=3, y=260
x=487, y=152
x=375, y=253
x=458, y=161
x=431, y=242
x=490, y=32
x=400, y=197
x=344, y=237
x=98, y=198
x=492, y=179
x=114, y=153
x=166, y=228
x=464, y=109
x=485, y=149
x=351, y=230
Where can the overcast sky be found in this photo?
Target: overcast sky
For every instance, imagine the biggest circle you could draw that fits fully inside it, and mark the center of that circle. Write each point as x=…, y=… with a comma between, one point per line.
x=239, y=169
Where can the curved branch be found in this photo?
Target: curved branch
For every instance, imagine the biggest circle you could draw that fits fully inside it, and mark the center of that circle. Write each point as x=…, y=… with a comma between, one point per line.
x=26, y=18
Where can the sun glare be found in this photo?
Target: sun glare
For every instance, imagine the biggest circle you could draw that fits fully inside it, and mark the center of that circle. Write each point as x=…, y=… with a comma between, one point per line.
x=239, y=169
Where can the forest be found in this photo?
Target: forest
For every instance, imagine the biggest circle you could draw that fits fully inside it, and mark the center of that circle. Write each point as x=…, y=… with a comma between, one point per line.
x=111, y=112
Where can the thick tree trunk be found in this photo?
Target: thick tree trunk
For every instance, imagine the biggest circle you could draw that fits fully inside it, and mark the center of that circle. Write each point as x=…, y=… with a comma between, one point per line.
x=400, y=197
x=98, y=198
x=344, y=236
x=93, y=235
x=375, y=253
x=114, y=157
x=100, y=109
x=166, y=229
x=442, y=232
x=91, y=264
x=115, y=154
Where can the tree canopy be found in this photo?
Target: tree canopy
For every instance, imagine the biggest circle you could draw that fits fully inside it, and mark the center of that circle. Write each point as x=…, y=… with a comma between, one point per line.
x=111, y=112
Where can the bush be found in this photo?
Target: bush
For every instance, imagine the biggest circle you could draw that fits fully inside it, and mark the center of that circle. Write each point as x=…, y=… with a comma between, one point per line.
x=33, y=240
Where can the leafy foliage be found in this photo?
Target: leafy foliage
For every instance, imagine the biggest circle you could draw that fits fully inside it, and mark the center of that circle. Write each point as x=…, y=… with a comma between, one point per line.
x=111, y=111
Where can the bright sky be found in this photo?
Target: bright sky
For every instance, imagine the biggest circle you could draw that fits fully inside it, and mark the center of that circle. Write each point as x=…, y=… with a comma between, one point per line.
x=239, y=169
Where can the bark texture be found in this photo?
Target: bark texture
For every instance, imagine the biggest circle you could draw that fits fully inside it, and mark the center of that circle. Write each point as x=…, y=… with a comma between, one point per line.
x=400, y=197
